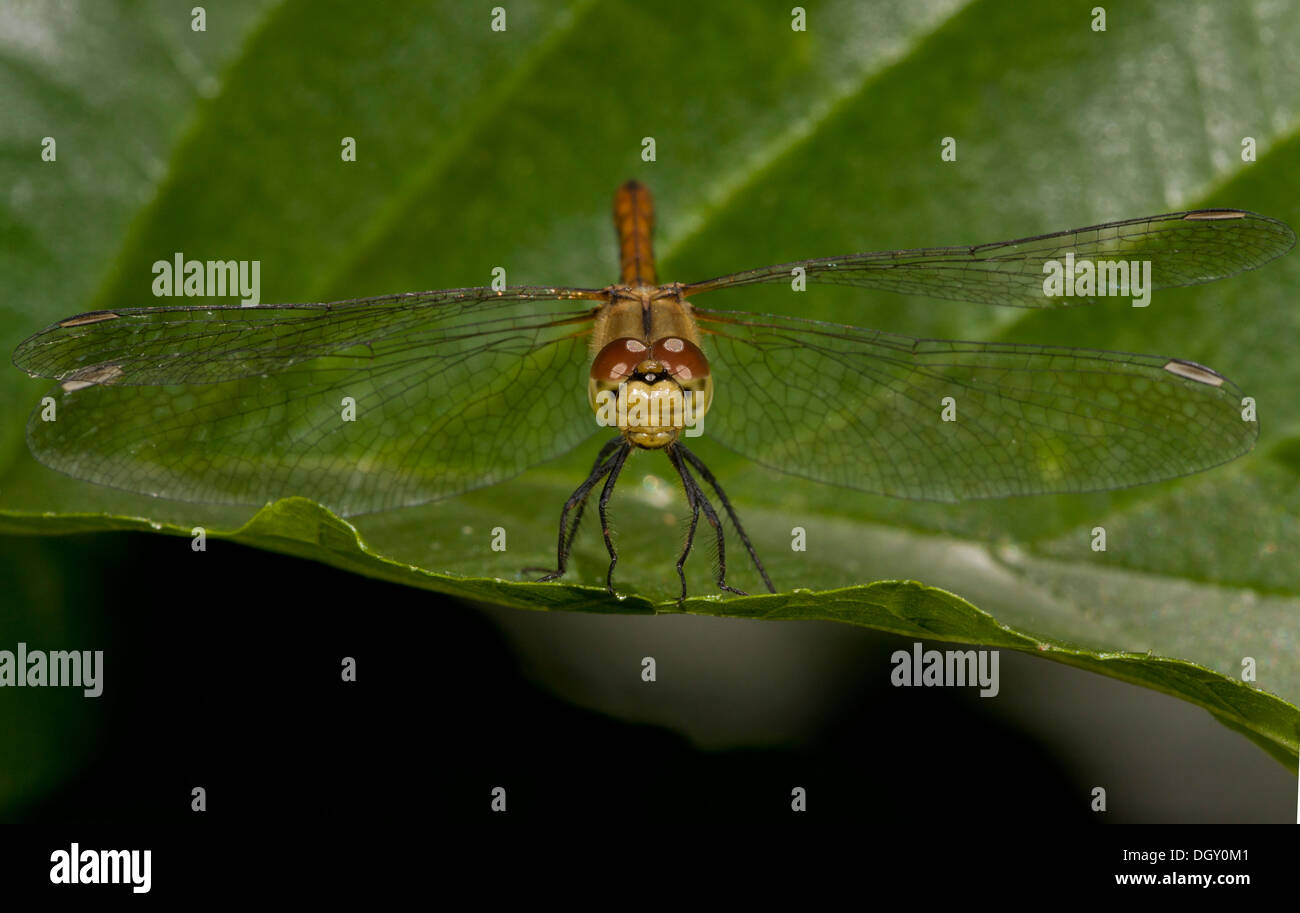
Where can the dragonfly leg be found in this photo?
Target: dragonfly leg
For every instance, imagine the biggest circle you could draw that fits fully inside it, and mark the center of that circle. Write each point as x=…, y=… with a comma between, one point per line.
x=726, y=505
x=701, y=500
x=693, y=499
x=619, y=458
x=603, y=465
x=604, y=454
x=711, y=515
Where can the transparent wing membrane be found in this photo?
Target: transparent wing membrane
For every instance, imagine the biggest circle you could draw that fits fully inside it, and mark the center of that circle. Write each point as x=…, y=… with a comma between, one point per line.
x=446, y=391
x=865, y=409
x=387, y=402
x=1184, y=248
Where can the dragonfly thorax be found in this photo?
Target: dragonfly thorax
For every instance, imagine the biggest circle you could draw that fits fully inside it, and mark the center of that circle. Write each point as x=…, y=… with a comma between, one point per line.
x=651, y=393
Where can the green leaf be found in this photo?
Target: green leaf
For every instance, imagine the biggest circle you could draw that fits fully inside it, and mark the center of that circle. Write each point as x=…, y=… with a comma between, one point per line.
x=478, y=149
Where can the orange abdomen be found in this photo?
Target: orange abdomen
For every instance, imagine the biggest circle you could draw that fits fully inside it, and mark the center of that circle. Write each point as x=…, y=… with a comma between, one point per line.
x=634, y=219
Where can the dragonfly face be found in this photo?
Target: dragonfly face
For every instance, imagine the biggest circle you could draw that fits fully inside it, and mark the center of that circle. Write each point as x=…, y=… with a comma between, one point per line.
x=234, y=404
x=652, y=393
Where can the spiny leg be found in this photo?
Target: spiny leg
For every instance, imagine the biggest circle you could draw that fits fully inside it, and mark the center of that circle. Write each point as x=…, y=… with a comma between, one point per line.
x=604, y=454
x=693, y=499
x=579, y=498
x=696, y=493
x=619, y=458
x=726, y=505
x=712, y=517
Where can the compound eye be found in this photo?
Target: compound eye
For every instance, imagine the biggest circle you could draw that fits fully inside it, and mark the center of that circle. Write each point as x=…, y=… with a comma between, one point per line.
x=681, y=358
x=618, y=360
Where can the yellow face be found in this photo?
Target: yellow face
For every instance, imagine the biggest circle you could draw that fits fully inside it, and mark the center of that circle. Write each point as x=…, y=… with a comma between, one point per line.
x=652, y=393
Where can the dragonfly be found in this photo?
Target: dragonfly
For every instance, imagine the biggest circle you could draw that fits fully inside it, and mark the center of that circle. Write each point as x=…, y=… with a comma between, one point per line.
x=461, y=388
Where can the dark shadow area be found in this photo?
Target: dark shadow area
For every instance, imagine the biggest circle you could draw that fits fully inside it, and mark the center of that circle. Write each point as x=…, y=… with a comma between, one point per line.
x=222, y=670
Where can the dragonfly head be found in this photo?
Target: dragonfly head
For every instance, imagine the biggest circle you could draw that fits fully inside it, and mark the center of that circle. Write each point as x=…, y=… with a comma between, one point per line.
x=651, y=393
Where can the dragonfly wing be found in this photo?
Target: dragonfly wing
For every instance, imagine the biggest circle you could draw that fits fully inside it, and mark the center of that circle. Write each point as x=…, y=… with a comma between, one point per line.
x=946, y=420
x=1183, y=248
x=362, y=405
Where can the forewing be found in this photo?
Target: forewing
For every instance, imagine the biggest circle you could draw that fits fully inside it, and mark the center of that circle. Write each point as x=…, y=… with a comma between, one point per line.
x=947, y=420
x=361, y=405
x=1183, y=248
